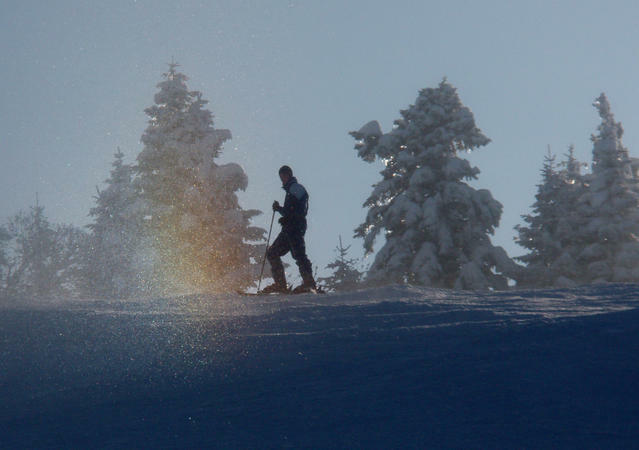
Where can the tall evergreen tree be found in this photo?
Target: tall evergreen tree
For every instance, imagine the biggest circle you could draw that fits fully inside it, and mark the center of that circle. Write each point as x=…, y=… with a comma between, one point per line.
x=345, y=275
x=202, y=237
x=436, y=226
x=116, y=238
x=610, y=207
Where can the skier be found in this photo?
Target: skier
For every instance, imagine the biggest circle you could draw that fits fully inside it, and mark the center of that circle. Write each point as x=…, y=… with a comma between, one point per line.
x=291, y=238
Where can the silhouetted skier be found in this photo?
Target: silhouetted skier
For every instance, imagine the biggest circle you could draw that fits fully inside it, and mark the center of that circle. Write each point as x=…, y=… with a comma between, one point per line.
x=291, y=238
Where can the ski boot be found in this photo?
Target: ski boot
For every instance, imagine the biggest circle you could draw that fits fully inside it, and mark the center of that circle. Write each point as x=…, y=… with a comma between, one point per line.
x=275, y=288
x=305, y=287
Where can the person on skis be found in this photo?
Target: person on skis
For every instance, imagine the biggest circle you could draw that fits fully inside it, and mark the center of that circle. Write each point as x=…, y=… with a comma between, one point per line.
x=291, y=238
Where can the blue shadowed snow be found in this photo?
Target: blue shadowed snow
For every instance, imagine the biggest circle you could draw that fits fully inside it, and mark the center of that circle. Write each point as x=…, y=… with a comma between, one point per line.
x=388, y=367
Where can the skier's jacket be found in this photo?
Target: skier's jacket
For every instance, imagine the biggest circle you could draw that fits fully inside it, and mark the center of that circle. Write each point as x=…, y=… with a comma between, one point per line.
x=295, y=207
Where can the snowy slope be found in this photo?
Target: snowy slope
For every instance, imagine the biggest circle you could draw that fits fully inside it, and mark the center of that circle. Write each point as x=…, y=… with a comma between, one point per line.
x=388, y=367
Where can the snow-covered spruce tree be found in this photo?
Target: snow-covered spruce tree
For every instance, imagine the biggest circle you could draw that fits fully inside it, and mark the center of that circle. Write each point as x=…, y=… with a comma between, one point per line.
x=549, y=233
x=202, y=238
x=610, y=207
x=345, y=275
x=436, y=226
x=116, y=235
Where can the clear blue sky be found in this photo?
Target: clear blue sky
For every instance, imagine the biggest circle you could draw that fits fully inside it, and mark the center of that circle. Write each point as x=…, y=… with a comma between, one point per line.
x=290, y=78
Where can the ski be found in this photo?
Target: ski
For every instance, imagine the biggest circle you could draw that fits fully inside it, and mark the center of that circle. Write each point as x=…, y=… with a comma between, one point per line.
x=261, y=294
x=319, y=290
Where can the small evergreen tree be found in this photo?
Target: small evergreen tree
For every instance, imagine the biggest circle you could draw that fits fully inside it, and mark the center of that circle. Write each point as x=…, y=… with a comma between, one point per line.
x=609, y=236
x=34, y=253
x=5, y=268
x=345, y=276
x=436, y=226
x=549, y=235
x=540, y=235
x=72, y=243
x=565, y=268
x=44, y=259
x=201, y=236
x=116, y=235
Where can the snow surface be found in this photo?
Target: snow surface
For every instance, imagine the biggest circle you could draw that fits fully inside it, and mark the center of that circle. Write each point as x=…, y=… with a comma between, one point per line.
x=383, y=368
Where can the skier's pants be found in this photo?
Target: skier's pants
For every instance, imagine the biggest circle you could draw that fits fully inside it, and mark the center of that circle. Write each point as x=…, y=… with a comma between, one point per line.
x=292, y=241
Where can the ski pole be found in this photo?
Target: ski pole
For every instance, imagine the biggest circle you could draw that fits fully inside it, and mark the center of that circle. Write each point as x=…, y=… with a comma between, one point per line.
x=268, y=240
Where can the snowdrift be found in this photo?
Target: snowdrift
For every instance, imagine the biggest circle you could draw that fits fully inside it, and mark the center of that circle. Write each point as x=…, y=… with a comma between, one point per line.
x=388, y=367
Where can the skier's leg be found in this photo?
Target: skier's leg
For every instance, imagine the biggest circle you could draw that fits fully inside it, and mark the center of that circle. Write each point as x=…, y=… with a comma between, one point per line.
x=279, y=248
x=298, y=251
